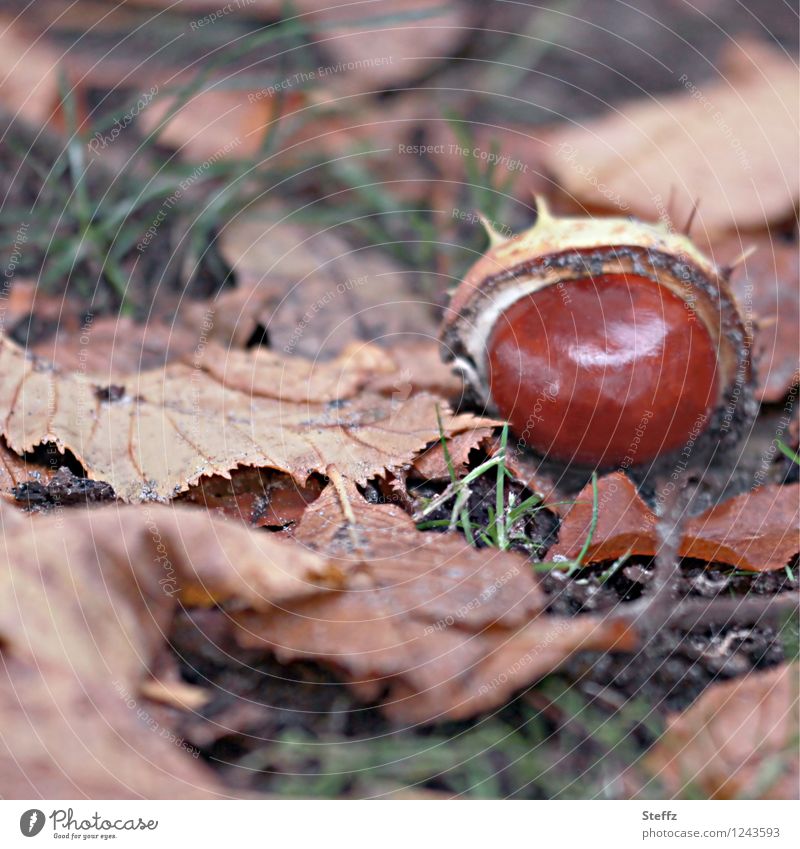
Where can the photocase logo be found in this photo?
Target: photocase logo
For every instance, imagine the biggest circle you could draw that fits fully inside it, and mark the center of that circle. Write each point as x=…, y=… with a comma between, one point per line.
x=31, y=822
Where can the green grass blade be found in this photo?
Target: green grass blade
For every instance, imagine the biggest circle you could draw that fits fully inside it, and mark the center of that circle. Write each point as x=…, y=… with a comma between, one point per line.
x=785, y=450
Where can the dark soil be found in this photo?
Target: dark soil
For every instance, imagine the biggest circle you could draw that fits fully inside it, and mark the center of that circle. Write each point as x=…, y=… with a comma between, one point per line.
x=63, y=489
x=532, y=536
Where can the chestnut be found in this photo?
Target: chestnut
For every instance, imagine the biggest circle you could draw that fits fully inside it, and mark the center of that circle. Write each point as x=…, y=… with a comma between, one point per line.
x=602, y=341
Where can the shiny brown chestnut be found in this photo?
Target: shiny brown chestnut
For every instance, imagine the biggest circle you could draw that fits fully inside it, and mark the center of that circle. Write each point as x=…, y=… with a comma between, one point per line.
x=603, y=341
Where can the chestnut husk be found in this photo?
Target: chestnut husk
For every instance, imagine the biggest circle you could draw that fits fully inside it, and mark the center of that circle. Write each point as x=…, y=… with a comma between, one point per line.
x=557, y=250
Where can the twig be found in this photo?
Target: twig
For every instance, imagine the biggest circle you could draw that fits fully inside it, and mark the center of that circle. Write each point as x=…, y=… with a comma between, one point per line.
x=336, y=479
x=669, y=531
x=692, y=613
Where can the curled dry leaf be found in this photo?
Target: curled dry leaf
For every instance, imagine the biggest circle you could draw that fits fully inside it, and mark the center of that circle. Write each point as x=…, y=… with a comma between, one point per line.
x=426, y=625
x=258, y=497
x=732, y=144
x=758, y=531
x=162, y=431
x=83, y=616
x=432, y=464
x=15, y=470
x=624, y=523
x=738, y=741
x=236, y=318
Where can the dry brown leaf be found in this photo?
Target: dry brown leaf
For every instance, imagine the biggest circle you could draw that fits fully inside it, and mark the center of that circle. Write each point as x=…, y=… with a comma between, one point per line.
x=373, y=57
x=258, y=497
x=237, y=317
x=418, y=368
x=427, y=625
x=213, y=125
x=758, y=531
x=266, y=373
x=15, y=470
x=27, y=304
x=449, y=630
x=432, y=464
x=738, y=741
x=329, y=294
x=732, y=144
x=118, y=345
x=83, y=615
x=28, y=74
x=159, y=432
x=624, y=523
x=241, y=317
x=767, y=286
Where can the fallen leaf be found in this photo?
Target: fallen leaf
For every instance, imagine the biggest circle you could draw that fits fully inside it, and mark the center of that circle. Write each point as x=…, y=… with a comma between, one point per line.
x=242, y=317
x=28, y=74
x=238, y=317
x=258, y=497
x=427, y=625
x=27, y=308
x=215, y=124
x=84, y=614
x=624, y=523
x=731, y=144
x=767, y=287
x=330, y=294
x=266, y=373
x=161, y=431
x=738, y=741
x=418, y=368
x=15, y=470
x=118, y=345
x=432, y=464
x=366, y=56
x=758, y=531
